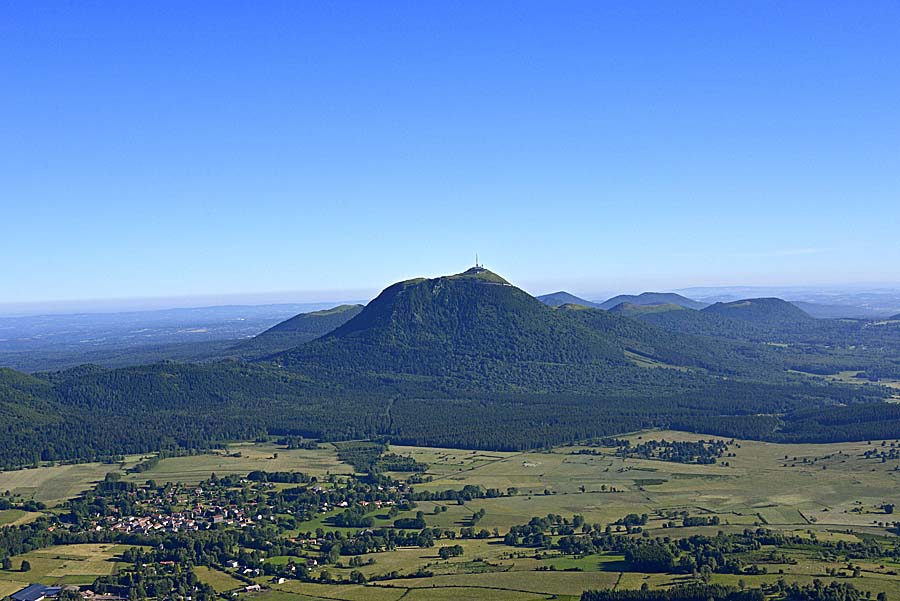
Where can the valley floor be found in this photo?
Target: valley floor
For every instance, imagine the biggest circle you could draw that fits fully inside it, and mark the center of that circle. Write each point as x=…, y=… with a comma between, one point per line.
x=834, y=492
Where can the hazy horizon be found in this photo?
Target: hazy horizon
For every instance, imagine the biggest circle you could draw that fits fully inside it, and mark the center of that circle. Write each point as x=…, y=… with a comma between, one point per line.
x=329, y=297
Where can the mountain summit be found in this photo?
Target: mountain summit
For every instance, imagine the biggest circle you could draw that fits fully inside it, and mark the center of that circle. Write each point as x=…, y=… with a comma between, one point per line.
x=558, y=299
x=454, y=325
x=475, y=330
x=773, y=311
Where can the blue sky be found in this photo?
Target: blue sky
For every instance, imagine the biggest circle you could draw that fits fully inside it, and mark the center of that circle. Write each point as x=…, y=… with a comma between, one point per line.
x=184, y=149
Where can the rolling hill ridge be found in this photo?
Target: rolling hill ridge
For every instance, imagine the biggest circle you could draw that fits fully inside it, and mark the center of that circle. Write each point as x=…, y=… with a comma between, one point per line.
x=560, y=298
x=652, y=298
x=296, y=331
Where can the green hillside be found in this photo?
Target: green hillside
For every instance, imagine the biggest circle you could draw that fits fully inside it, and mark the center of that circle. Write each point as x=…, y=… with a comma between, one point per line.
x=652, y=298
x=557, y=299
x=633, y=310
x=295, y=331
x=769, y=311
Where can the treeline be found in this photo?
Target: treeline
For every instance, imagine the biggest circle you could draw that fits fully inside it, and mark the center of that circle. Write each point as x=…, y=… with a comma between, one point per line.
x=701, y=451
x=779, y=591
x=93, y=414
x=691, y=592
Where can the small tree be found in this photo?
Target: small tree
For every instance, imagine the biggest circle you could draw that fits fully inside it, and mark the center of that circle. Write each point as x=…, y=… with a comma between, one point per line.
x=26, y=567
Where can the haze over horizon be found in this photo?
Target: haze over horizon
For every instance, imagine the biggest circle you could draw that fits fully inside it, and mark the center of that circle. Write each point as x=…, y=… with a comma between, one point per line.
x=216, y=151
x=317, y=299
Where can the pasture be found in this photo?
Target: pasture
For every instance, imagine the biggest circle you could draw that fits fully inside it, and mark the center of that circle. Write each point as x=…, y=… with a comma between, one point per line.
x=65, y=564
x=52, y=484
x=805, y=485
x=14, y=517
x=242, y=458
x=219, y=580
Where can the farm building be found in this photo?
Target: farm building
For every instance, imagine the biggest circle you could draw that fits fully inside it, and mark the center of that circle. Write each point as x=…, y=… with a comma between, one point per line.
x=35, y=592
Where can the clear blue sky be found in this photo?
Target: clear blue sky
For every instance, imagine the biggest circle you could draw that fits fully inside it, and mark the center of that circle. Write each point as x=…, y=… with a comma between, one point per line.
x=189, y=148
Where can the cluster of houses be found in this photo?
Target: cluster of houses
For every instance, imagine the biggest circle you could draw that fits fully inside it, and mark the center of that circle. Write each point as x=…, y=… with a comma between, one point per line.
x=177, y=522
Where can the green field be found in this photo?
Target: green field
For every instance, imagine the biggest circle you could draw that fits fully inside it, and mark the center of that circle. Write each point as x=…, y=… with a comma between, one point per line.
x=756, y=486
x=65, y=564
x=242, y=459
x=217, y=579
x=52, y=484
x=14, y=517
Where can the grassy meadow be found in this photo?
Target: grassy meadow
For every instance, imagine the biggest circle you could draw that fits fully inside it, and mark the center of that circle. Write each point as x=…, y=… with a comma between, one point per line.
x=242, y=458
x=55, y=483
x=64, y=564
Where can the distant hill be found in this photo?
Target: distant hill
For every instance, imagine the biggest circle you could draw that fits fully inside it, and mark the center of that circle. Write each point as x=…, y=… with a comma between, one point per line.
x=823, y=311
x=59, y=341
x=560, y=298
x=652, y=298
x=296, y=331
x=633, y=310
x=769, y=311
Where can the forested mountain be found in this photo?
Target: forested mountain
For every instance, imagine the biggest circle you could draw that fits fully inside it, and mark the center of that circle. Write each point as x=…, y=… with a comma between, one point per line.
x=557, y=299
x=767, y=311
x=755, y=320
x=652, y=298
x=466, y=360
x=820, y=346
x=632, y=310
x=295, y=331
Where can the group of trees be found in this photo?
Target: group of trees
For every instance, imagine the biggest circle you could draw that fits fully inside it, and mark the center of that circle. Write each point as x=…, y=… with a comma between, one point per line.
x=141, y=581
x=372, y=457
x=24, y=566
x=696, y=554
x=779, y=591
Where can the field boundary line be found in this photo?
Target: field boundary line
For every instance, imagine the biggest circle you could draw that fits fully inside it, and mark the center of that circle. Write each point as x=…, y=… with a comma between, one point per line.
x=472, y=469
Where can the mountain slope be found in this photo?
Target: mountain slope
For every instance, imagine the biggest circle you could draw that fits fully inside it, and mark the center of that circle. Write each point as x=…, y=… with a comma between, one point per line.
x=296, y=330
x=652, y=298
x=471, y=327
x=475, y=330
x=753, y=320
x=632, y=310
x=560, y=298
x=764, y=311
